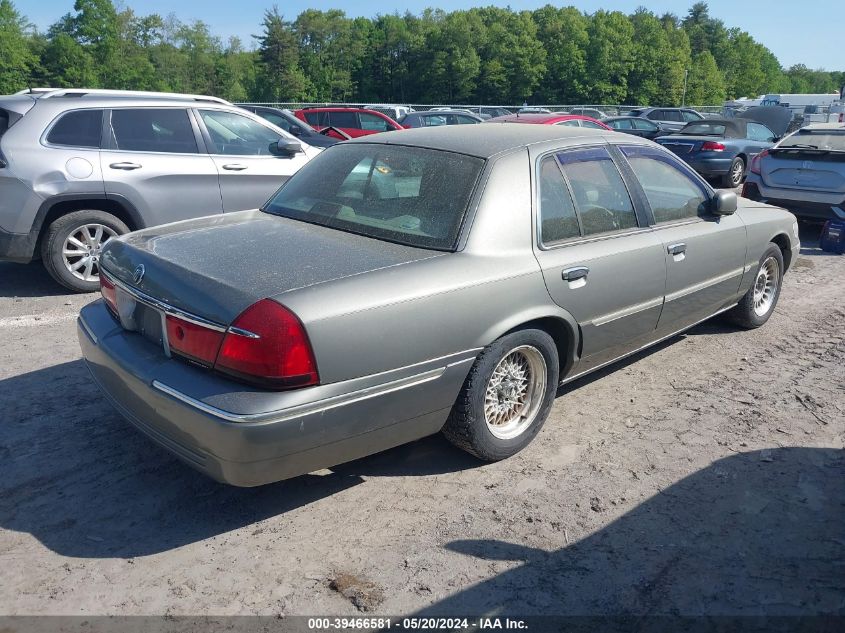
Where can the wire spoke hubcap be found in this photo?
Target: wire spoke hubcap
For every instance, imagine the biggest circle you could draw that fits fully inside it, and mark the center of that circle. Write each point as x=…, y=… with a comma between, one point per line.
x=82, y=249
x=765, y=286
x=515, y=392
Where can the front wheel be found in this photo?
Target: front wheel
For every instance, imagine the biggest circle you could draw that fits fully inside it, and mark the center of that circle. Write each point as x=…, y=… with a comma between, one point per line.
x=506, y=397
x=757, y=305
x=72, y=246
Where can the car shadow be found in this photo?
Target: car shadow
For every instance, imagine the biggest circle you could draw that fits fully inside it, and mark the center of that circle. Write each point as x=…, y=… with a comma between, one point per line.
x=85, y=483
x=28, y=280
x=760, y=533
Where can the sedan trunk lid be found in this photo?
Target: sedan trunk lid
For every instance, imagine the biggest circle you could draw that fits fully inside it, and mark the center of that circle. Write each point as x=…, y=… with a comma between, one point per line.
x=218, y=266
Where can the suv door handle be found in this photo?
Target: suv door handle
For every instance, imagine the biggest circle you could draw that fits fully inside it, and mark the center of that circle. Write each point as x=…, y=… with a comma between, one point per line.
x=572, y=274
x=677, y=249
x=125, y=166
x=234, y=167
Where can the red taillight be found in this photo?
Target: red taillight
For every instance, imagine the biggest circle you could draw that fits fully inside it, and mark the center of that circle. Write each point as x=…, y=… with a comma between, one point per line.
x=195, y=342
x=109, y=293
x=754, y=168
x=267, y=345
x=712, y=146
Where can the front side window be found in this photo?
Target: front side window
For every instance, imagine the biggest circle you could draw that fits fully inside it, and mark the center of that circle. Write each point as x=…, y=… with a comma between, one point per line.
x=413, y=196
x=79, y=128
x=558, y=220
x=278, y=120
x=432, y=121
x=237, y=135
x=373, y=122
x=153, y=130
x=620, y=124
x=758, y=132
x=668, y=115
x=644, y=124
x=689, y=115
x=465, y=120
x=600, y=194
x=672, y=195
x=313, y=119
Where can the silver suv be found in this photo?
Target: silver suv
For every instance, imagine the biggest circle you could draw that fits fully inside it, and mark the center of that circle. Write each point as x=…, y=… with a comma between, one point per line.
x=78, y=167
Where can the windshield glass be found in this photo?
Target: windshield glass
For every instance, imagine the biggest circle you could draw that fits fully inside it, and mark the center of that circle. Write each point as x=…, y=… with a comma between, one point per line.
x=408, y=195
x=703, y=129
x=817, y=139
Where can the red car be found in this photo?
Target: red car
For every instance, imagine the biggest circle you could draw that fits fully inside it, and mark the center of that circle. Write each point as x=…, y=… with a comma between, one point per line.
x=553, y=118
x=352, y=122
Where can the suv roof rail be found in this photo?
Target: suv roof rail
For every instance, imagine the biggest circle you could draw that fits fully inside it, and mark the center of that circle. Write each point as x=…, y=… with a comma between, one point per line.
x=82, y=92
x=35, y=91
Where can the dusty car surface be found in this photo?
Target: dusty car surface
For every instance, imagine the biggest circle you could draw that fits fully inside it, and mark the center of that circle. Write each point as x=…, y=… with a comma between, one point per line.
x=400, y=285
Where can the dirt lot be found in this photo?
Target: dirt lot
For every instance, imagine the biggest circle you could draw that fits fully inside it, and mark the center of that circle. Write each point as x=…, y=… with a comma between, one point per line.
x=704, y=476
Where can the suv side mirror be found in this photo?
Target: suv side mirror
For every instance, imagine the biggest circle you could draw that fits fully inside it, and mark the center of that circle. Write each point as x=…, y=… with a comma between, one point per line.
x=723, y=203
x=285, y=147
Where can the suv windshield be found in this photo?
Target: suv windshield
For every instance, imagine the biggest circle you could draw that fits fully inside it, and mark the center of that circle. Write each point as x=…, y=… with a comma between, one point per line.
x=408, y=195
x=833, y=140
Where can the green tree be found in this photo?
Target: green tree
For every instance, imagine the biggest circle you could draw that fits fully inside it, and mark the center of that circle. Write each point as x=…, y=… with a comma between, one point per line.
x=19, y=62
x=610, y=57
x=705, y=85
x=563, y=35
x=278, y=52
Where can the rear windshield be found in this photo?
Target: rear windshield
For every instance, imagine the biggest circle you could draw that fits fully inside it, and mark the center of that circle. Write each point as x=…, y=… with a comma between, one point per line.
x=833, y=140
x=408, y=195
x=704, y=129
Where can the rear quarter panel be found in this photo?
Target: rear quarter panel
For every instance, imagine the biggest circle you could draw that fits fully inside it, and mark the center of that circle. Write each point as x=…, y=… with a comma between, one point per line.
x=765, y=224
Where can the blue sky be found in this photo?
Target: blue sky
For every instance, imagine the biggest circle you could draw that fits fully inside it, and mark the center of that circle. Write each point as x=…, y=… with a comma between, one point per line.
x=810, y=33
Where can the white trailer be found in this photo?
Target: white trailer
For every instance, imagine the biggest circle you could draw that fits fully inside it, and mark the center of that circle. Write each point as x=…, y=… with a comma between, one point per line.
x=797, y=102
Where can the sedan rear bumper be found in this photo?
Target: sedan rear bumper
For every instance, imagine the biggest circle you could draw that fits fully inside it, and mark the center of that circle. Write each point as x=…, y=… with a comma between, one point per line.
x=173, y=403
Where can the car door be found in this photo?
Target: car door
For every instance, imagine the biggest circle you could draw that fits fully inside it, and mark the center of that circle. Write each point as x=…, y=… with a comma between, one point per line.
x=155, y=159
x=704, y=253
x=600, y=261
x=758, y=137
x=242, y=151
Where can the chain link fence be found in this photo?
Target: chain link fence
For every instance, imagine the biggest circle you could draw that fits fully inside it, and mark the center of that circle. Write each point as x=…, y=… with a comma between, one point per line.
x=606, y=109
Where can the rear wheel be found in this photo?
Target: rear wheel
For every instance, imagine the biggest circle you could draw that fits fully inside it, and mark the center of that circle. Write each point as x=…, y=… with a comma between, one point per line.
x=72, y=246
x=506, y=397
x=735, y=174
x=757, y=305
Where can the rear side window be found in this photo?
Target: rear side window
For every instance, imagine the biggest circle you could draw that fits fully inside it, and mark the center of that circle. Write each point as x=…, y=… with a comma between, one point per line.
x=344, y=119
x=557, y=212
x=689, y=115
x=152, y=130
x=591, y=125
x=667, y=115
x=620, y=124
x=79, y=128
x=600, y=194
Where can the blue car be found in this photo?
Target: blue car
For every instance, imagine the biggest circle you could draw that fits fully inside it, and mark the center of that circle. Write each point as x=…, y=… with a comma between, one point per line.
x=723, y=148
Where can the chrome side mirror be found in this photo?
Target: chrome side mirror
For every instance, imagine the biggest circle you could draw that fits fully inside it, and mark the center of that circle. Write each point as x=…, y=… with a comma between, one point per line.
x=723, y=203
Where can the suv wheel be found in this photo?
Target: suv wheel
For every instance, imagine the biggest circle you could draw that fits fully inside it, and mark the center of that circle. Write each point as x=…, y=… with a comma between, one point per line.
x=72, y=245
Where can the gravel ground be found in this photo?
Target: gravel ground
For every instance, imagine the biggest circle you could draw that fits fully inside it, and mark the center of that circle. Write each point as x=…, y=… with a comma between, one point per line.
x=705, y=476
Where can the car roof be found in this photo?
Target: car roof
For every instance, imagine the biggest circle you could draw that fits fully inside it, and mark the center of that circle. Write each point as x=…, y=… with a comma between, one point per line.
x=484, y=140
x=539, y=117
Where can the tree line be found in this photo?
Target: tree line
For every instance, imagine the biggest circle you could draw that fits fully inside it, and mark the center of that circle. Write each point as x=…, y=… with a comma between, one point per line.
x=483, y=55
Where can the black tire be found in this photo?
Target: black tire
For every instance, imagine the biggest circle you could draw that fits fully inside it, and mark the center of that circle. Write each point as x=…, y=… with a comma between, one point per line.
x=744, y=313
x=467, y=427
x=52, y=245
x=735, y=175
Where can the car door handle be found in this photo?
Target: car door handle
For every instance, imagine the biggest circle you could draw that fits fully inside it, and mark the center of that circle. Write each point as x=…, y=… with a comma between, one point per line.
x=234, y=167
x=573, y=274
x=125, y=166
x=677, y=249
